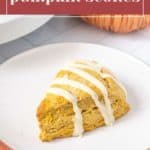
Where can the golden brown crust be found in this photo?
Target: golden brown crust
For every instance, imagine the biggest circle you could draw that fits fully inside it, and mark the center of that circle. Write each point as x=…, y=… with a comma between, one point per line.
x=55, y=114
x=119, y=23
x=56, y=123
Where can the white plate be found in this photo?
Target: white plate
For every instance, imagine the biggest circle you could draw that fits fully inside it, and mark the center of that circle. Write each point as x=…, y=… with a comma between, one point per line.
x=5, y=19
x=24, y=79
x=13, y=27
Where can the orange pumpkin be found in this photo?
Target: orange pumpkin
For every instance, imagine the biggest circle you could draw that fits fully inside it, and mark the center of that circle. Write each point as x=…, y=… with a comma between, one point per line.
x=119, y=23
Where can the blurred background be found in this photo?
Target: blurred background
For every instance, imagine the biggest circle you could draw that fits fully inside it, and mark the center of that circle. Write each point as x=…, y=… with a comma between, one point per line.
x=73, y=29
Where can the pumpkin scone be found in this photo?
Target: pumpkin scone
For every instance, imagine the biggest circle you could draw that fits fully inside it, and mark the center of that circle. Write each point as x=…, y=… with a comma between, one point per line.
x=83, y=96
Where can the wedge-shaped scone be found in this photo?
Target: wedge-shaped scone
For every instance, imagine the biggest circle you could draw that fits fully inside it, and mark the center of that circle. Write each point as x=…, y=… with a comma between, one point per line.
x=82, y=97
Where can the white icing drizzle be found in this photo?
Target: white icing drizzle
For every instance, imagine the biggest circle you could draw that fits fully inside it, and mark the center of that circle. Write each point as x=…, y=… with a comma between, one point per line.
x=91, y=64
x=99, y=85
x=105, y=109
x=78, y=123
x=97, y=68
x=78, y=85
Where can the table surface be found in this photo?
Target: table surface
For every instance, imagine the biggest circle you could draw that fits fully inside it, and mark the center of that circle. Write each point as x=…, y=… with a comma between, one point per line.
x=70, y=29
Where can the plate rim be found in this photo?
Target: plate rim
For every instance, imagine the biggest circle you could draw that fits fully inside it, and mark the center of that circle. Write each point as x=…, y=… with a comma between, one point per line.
x=38, y=48
x=14, y=17
x=32, y=23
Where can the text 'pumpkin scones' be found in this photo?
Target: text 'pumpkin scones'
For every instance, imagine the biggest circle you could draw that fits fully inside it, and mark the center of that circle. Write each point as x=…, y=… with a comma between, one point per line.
x=82, y=97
